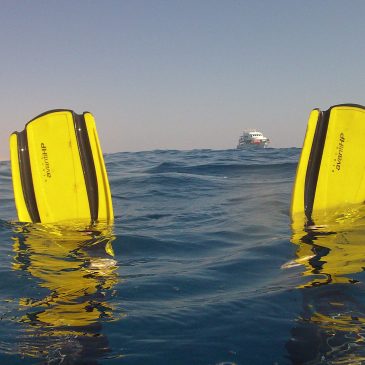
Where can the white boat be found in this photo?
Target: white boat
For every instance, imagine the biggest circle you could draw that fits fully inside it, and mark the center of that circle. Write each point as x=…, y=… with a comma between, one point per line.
x=252, y=138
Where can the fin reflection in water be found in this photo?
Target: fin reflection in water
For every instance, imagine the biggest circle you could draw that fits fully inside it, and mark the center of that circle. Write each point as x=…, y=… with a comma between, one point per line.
x=331, y=327
x=76, y=273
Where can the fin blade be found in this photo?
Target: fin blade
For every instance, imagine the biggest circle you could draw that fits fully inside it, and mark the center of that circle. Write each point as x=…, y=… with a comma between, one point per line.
x=56, y=168
x=341, y=179
x=60, y=178
x=331, y=169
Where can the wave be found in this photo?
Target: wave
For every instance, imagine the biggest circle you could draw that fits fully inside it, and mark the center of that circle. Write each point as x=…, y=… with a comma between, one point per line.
x=219, y=169
x=198, y=241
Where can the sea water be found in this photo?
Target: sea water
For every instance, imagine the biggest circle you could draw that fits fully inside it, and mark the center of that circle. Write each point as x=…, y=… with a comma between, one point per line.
x=201, y=266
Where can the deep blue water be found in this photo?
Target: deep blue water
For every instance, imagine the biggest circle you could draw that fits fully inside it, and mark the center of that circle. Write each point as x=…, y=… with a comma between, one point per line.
x=200, y=267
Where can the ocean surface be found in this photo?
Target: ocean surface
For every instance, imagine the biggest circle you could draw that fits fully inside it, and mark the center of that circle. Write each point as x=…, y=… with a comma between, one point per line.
x=201, y=266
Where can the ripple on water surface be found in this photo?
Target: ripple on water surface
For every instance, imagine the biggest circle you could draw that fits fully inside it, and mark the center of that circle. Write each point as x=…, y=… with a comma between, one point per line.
x=190, y=273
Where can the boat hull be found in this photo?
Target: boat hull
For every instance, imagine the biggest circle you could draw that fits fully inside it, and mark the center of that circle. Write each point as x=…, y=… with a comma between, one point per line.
x=244, y=146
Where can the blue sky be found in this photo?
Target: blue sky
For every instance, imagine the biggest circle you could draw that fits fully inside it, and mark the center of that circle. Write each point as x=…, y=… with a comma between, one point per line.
x=180, y=74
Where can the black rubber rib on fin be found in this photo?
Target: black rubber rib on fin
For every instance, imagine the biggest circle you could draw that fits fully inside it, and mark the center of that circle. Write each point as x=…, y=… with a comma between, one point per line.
x=314, y=163
x=26, y=177
x=88, y=165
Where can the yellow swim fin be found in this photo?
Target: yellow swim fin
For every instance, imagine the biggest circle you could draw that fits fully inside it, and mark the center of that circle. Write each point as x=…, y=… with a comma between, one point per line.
x=58, y=170
x=331, y=171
